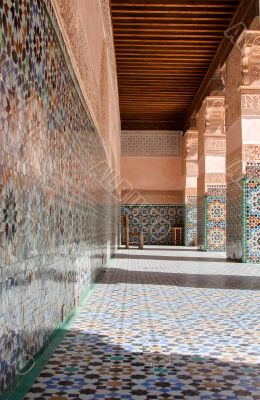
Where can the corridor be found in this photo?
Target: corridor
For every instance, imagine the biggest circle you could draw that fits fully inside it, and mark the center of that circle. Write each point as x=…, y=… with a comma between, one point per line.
x=162, y=323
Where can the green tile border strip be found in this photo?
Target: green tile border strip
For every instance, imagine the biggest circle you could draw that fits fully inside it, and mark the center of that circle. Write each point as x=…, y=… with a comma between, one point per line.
x=22, y=384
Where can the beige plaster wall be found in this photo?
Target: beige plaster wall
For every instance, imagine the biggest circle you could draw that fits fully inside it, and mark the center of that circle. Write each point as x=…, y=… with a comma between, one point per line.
x=153, y=173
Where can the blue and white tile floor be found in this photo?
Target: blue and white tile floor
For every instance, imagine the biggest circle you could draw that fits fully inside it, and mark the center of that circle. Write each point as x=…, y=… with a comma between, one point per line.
x=162, y=323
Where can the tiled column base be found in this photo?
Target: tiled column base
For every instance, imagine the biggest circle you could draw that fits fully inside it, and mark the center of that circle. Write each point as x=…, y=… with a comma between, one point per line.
x=190, y=234
x=243, y=220
x=212, y=223
x=251, y=220
x=234, y=220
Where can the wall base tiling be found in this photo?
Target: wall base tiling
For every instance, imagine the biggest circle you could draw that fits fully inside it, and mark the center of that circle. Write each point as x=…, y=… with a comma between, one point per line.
x=234, y=220
x=156, y=222
x=190, y=231
x=57, y=223
x=251, y=223
x=216, y=223
x=212, y=223
x=243, y=220
x=201, y=225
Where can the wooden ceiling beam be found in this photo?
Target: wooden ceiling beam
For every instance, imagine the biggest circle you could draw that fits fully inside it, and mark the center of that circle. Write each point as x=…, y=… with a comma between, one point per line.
x=244, y=15
x=163, y=51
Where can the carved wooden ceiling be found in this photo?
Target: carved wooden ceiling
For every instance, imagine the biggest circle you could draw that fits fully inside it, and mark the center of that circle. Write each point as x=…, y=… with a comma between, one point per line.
x=163, y=51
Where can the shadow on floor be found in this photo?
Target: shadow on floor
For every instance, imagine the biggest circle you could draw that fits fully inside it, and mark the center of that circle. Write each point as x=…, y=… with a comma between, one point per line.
x=94, y=366
x=171, y=258
x=204, y=281
x=163, y=248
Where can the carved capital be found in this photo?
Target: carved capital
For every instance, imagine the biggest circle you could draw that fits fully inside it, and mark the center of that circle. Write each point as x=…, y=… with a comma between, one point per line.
x=191, y=145
x=251, y=58
x=214, y=116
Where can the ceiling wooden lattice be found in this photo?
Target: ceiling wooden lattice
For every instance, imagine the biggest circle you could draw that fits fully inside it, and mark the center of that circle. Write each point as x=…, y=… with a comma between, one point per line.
x=163, y=51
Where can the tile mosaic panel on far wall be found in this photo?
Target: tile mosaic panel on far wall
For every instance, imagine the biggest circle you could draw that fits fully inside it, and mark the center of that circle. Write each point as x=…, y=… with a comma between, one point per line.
x=56, y=220
x=156, y=222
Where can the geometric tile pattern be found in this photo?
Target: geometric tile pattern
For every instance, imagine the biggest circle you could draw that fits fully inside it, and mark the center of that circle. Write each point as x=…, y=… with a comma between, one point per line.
x=58, y=224
x=252, y=220
x=156, y=222
x=163, y=326
x=234, y=220
x=216, y=223
x=212, y=222
x=253, y=170
x=190, y=224
x=151, y=143
x=201, y=222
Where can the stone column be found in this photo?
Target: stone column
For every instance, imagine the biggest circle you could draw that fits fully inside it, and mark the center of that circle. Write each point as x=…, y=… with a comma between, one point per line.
x=243, y=148
x=190, y=172
x=211, y=174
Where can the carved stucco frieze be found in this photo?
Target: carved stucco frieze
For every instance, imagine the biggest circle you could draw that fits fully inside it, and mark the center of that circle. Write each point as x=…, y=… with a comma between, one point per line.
x=215, y=146
x=110, y=43
x=233, y=82
x=191, y=145
x=250, y=102
x=215, y=178
x=191, y=169
x=251, y=58
x=190, y=161
x=70, y=22
x=68, y=17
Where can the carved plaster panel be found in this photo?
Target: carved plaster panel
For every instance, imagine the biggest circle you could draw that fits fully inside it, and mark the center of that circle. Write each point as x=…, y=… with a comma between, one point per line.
x=251, y=152
x=215, y=146
x=215, y=178
x=250, y=102
x=151, y=143
x=215, y=116
x=191, y=169
x=251, y=58
x=233, y=82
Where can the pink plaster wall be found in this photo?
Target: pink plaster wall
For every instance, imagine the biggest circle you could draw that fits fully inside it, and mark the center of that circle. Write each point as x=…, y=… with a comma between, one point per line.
x=215, y=164
x=153, y=173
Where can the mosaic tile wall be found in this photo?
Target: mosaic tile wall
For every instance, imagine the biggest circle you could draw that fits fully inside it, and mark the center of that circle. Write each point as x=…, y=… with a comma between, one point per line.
x=151, y=143
x=156, y=222
x=212, y=223
x=58, y=224
x=251, y=212
x=234, y=220
x=190, y=232
x=216, y=223
x=201, y=222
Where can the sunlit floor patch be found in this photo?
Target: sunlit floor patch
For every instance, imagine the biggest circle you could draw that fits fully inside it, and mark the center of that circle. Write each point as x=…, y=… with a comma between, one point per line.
x=162, y=324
